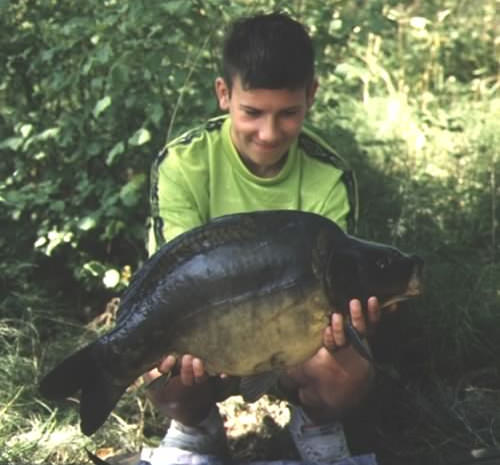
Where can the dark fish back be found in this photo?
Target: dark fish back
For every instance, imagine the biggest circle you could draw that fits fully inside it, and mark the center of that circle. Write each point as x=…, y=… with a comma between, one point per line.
x=172, y=254
x=225, y=230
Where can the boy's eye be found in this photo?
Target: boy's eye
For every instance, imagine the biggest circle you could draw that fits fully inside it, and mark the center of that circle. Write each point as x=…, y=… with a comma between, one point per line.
x=251, y=112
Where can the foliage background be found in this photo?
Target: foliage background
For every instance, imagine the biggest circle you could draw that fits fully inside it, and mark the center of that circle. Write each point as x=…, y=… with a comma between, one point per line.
x=89, y=93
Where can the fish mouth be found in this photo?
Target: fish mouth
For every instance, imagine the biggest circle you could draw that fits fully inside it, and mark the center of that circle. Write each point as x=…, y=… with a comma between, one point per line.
x=414, y=289
x=395, y=300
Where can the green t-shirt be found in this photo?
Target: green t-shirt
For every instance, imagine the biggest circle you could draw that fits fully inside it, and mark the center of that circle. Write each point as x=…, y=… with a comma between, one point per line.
x=200, y=176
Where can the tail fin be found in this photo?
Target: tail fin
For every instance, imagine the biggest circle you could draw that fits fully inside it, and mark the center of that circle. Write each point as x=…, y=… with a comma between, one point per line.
x=100, y=392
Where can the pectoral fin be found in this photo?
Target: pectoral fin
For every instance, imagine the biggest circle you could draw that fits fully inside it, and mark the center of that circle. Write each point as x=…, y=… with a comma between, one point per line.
x=158, y=384
x=357, y=342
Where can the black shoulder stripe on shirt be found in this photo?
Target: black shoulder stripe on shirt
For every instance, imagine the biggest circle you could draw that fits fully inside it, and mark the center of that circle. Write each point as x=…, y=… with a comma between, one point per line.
x=157, y=222
x=213, y=124
x=316, y=150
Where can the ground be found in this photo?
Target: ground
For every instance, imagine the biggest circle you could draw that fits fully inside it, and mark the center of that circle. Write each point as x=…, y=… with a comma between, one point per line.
x=255, y=431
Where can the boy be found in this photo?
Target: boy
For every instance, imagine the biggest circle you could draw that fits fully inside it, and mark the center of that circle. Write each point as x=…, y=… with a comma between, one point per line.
x=259, y=157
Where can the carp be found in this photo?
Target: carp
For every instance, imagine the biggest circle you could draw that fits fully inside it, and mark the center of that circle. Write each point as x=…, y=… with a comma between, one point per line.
x=250, y=294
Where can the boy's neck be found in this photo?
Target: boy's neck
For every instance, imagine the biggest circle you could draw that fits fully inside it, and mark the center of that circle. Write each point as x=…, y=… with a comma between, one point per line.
x=264, y=171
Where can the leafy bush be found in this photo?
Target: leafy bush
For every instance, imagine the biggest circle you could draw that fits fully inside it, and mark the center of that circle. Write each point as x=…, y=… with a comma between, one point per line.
x=99, y=83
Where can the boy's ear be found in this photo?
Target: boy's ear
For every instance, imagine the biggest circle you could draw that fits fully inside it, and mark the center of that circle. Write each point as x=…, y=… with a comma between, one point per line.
x=222, y=92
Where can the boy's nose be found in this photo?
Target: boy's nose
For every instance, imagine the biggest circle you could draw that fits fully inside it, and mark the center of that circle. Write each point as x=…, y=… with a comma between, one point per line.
x=268, y=131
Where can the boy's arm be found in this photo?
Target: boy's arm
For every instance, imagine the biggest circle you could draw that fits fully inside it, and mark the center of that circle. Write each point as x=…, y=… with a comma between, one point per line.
x=174, y=207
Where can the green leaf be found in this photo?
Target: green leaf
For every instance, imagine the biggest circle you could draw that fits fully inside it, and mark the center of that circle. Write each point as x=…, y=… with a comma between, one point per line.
x=113, y=228
x=140, y=137
x=94, y=268
x=57, y=206
x=25, y=130
x=47, y=55
x=87, y=223
x=88, y=66
x=12, y=143
x=94, y=148
x=118, y=149
x=156, y=113
x=119, y=76
x=130, y=193
x=50, y=133
x=176, y=7
x=101, y=105
x=104, y=53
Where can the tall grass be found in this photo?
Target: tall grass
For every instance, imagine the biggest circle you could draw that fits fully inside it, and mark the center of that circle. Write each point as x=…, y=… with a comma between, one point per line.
x=29, y=427
x=426, y=155
x=33, y=430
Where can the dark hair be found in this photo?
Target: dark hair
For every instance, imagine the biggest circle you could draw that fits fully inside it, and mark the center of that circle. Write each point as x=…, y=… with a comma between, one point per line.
x=268, y=51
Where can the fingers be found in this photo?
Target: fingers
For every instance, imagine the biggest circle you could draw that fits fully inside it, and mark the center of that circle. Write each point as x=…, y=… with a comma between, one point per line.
x=167, y=364
x=334, y=334
x=198, y=369
x=374, y=312
x=192, y=370
x=365, y=325
x=357, y=318
x=328, y=340
x=338, y=331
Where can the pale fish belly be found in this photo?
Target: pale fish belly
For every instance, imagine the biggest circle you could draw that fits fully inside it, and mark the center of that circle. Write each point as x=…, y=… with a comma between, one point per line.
x=257, y=333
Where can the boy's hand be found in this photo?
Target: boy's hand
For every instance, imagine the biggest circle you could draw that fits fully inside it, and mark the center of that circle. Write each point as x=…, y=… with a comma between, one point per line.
x=192, y=370
x=334, y=335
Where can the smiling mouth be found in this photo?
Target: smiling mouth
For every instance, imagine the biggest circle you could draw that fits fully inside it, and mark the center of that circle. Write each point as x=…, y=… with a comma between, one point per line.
x=267, y=147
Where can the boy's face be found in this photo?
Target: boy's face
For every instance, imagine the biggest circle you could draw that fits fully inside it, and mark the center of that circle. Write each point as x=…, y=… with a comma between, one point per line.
x=265, y=122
